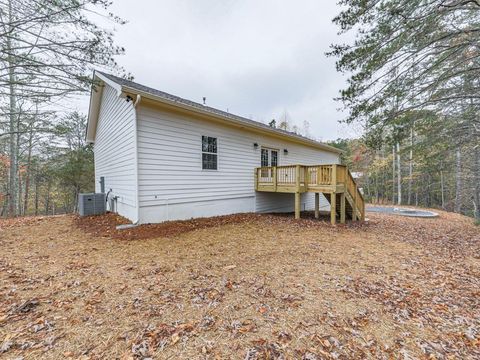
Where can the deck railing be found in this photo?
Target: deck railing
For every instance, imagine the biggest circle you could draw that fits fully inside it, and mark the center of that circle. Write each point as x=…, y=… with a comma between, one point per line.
x=329, y=178
x=352, y=189
x=286, y=175
x=305, y=176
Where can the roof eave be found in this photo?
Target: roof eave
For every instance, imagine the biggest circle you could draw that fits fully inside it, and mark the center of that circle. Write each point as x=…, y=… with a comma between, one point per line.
x=259, y=127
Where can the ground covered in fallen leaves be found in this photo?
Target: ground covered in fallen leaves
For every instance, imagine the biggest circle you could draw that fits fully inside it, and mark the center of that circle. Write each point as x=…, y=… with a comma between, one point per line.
x=241, y=287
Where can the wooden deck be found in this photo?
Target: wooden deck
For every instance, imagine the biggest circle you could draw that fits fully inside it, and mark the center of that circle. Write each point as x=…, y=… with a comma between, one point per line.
x=334, y=181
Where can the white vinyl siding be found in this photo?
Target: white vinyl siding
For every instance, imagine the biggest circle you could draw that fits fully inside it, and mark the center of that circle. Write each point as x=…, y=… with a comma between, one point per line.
x=171, y=182
x=115, y=151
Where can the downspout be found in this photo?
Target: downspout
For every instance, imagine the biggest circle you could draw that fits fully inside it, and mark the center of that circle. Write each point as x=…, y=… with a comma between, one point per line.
x=137, y=193
x=137, y=101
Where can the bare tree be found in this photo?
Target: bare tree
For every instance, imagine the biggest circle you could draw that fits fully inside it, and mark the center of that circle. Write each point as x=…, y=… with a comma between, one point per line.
x=48, y=50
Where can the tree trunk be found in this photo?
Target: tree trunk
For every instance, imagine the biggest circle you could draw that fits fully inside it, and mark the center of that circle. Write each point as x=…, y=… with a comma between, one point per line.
x=28, y=171
x=47, y=199
x=458, y=178
x=27, y=182
x=367, y=184
x=4, y=210
x=442, y=188
x=427, y=191
x=36, y=195
x=12, y=181
x=393, y=175
x=383, y=195
x=410, y=169
x=399, y=176
x=19, y=203
x=75, y=199
x=19, y=170
x=476, y=196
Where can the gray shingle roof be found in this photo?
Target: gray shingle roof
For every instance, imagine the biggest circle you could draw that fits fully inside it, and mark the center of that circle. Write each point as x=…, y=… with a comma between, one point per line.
x=176, y=99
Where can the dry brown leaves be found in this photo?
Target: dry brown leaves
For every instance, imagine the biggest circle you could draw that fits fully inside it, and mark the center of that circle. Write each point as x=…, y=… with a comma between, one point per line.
x=244, y=286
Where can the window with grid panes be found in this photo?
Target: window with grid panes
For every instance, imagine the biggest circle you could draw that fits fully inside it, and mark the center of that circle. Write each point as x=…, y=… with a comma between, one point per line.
x=209, y=153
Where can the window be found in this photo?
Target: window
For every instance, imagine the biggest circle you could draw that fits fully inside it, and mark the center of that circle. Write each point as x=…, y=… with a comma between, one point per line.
x=264, y=159
x=274, y=158
x=209, y=153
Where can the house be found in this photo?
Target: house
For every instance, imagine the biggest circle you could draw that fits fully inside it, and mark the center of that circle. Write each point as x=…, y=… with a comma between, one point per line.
x=162, y=158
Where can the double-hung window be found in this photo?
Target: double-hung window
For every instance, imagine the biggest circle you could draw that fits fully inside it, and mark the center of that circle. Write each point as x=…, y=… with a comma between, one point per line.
x=209, y=153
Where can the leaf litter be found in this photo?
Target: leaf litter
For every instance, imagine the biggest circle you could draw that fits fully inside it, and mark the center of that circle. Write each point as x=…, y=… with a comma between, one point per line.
x=245, y=286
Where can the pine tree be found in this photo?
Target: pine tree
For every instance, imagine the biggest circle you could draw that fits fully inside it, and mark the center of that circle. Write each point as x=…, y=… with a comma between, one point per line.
x=424, y=55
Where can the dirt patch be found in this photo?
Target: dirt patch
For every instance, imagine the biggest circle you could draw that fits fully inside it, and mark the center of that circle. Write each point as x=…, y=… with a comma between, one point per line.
x=105, y=225
x=259, y=287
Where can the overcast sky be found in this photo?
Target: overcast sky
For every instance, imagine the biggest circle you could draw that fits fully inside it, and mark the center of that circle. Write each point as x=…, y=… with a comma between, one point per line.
x=256, y=58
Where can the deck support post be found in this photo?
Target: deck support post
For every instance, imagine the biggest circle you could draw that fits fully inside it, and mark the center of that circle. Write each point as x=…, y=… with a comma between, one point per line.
x=317, y=205
x=274, y=178
x=297, y=205
x=334, y=176
x=297, y=192
x=342, y=208
x=333, y=208
x=354, y=213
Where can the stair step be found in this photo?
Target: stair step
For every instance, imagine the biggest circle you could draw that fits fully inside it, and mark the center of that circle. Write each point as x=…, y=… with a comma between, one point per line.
x=348, y=206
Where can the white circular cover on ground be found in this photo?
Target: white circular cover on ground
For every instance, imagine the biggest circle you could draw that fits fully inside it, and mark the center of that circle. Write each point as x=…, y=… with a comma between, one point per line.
x=401, y=211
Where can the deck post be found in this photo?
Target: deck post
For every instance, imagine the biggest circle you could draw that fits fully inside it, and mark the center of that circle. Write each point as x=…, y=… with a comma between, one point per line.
x=297, y=192
x=363, y=210
x=354, y=213
x=297, y=178
x=306, y=179
x=342, y=208
x=317, y=205
x=297, y=205
x=256, y=179
x=334, y=176
x=333, y=208
x=274, y=178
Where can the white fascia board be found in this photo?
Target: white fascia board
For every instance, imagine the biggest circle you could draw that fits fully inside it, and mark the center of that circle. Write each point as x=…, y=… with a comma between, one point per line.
x=95, y=100
x=113, y=84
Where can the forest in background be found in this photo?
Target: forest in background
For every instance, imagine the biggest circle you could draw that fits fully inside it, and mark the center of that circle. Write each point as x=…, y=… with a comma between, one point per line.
x=417, y=171
x=49, y=50
x=53, y=167
x=413, y=83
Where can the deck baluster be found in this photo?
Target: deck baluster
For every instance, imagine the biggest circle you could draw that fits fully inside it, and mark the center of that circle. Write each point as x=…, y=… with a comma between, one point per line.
x=274, y=178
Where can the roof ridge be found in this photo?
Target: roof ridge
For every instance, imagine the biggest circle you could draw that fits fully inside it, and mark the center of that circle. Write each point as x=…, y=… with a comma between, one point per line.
x=167, y=96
